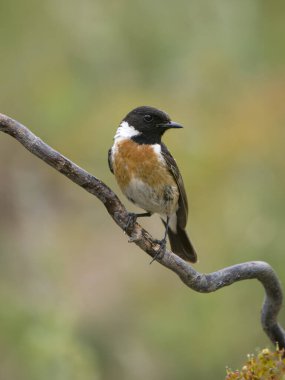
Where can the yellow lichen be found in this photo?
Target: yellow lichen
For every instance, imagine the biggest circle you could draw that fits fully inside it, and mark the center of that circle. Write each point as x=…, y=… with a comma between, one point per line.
x=266, y=365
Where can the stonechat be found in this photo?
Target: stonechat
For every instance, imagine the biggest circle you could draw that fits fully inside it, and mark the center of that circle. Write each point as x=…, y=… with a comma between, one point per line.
x=148, y=175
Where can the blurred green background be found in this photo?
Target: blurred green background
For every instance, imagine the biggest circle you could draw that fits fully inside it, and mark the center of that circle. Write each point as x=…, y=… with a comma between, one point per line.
x=76, y=300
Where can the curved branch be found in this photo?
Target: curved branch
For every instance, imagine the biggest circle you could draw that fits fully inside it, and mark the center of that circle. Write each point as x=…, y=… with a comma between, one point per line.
x=204, y=283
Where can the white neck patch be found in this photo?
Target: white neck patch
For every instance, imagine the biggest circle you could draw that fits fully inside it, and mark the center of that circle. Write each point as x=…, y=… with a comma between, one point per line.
x=125, y=131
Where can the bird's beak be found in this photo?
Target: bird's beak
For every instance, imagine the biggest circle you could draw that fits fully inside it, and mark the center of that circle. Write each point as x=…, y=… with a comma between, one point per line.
x=170, y=124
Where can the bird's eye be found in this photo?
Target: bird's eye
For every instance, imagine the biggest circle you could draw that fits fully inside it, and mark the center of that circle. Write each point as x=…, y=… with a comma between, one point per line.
x=148, y=118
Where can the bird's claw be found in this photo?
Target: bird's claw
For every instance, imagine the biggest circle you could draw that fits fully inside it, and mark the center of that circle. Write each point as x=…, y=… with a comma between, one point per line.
x=132, y=218
x=160, y=253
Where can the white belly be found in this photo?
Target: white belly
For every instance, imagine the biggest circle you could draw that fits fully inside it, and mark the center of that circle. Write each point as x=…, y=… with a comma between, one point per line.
x=163, y=201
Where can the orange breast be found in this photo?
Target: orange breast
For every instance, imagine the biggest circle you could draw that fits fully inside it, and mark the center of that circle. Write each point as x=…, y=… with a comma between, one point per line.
x=131, y=160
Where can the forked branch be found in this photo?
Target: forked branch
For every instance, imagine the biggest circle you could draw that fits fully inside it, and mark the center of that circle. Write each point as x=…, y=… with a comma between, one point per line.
x=204, y=283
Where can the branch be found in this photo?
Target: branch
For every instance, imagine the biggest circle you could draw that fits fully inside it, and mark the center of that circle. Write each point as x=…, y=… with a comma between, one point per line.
x=203, y=283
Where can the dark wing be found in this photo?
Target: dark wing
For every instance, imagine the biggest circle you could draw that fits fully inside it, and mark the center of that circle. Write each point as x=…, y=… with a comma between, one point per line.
x=182, y=212
x=110, y=160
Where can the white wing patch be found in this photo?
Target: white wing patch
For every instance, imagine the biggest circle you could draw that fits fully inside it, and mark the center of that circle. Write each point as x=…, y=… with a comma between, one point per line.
x=156, y=148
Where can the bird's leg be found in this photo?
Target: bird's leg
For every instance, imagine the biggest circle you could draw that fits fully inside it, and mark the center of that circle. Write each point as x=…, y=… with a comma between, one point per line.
x=132, y=218
x=131, y=221
x=162, y=242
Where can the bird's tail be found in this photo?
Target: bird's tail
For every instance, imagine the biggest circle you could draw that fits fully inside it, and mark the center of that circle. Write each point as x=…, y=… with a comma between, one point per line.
x=181, y=244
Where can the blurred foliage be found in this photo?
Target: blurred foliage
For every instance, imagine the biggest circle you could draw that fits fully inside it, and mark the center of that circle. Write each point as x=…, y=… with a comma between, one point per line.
x=78, y=301
x=266, y=365
x=41, y=345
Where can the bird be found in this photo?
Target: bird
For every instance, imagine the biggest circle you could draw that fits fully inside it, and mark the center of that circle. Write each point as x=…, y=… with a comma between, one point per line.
x=149, y=177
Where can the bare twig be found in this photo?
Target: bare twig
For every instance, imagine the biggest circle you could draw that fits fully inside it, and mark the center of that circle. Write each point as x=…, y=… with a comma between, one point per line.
x=204, y=283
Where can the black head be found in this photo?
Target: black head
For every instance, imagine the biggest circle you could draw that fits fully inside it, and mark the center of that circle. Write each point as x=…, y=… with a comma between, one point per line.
x=151, y=124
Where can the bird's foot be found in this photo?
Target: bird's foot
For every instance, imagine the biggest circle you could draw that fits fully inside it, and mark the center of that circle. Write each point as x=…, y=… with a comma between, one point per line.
x=160, y=253
x=132, y=218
